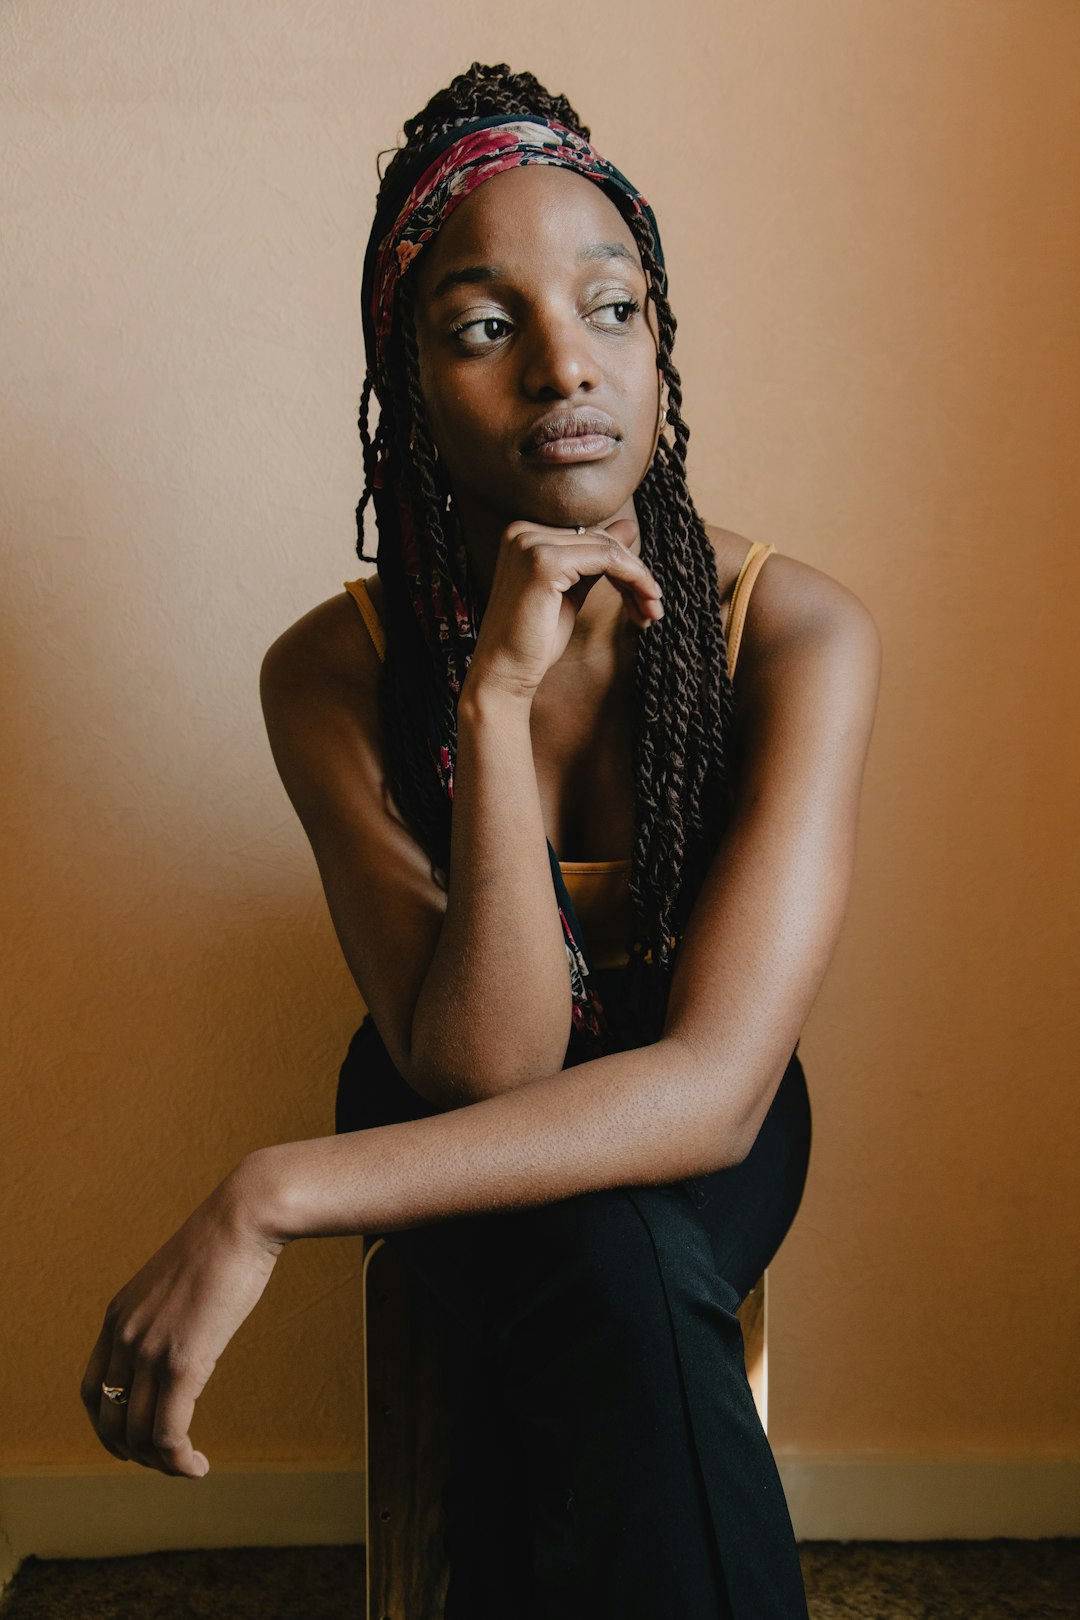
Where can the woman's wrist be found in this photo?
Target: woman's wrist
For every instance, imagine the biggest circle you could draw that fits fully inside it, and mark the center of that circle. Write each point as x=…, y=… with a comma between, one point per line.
x=263, y=1190
x=484, y=693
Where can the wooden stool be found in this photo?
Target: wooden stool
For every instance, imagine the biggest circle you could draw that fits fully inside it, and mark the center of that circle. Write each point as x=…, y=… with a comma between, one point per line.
x=408, y=1433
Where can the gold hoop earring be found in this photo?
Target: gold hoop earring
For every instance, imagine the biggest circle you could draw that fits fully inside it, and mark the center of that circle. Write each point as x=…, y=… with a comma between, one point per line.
x=434, y=446
x=660, y=426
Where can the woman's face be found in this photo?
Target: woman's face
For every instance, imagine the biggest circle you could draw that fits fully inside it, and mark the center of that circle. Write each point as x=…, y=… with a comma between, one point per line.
x=537, y=348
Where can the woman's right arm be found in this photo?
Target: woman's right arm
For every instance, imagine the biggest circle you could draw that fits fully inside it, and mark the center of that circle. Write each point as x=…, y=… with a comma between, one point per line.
x=469, y=988
x=495, y=1006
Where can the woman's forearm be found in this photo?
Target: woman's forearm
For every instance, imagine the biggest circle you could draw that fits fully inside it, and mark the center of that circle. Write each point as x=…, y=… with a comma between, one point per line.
x=495, y=1007
x=647, y=1116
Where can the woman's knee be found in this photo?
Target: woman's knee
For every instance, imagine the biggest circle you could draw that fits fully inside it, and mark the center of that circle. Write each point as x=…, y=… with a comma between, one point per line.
x=593, y=1275
x=599, y=1264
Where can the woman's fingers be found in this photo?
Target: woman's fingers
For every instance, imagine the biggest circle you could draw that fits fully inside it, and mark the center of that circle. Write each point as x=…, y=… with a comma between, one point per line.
x=595, y=553
x=100, y=1410
x=96, y=1368
x=632, y=578
x=168, y=1443
x=137, y=1414
x=153, y=1425
x=117, y=1421
x=624, y=529
x=159, y=1414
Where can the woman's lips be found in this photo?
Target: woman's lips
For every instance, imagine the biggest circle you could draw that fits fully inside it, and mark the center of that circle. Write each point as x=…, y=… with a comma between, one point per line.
x=582, y=434
x=578, y=447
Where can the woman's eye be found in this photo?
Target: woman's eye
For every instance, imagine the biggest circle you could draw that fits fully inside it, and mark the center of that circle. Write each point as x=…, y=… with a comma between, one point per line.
x=619, y=313
x=480, y=334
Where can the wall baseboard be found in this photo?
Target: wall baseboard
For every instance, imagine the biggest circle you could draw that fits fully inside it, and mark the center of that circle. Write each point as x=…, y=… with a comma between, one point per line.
x=116, y=1511
x=122, y=1509
x=885, y=1497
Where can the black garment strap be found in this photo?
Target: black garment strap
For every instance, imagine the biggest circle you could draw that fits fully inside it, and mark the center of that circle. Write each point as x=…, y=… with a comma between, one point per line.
x=591, y=1035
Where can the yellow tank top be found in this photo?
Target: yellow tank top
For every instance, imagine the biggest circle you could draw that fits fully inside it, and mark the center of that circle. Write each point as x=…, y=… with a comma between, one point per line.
x=600, y=889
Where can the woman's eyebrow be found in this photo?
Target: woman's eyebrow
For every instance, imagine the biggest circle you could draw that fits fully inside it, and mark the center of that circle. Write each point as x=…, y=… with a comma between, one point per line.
x=608, y=250
x=470, y=275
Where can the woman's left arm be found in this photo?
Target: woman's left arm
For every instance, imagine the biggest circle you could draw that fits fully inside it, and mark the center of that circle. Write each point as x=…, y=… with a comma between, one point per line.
x=754, y=954
x=765, y=925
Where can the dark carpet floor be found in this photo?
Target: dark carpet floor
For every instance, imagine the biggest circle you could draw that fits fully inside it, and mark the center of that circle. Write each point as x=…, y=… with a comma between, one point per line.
x=845, y=1580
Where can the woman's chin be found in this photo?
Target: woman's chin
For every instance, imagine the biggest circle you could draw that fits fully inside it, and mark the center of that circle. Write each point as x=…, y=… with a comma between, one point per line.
x=557, y=498
x=572, y=499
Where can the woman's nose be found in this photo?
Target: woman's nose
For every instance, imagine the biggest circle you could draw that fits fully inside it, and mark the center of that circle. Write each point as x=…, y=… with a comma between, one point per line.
x=559, y=359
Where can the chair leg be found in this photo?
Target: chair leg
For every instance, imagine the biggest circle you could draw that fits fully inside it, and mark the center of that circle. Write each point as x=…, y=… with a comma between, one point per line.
x=408, y=1433
x=408, y=1443
x=753, y=1315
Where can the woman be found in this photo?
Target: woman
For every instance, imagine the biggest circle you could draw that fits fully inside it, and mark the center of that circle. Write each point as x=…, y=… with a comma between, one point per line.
x=579, y=1114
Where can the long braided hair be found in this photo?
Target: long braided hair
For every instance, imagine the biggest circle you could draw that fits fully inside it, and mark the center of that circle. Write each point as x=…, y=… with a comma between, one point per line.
x=683, y=689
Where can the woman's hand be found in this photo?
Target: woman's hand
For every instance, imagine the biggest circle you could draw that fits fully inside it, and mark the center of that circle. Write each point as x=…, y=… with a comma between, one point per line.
x=541, y=578
x=166, y=1328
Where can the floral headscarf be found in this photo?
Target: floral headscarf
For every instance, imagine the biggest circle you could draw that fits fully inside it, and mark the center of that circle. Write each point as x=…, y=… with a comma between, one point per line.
x=456, y=164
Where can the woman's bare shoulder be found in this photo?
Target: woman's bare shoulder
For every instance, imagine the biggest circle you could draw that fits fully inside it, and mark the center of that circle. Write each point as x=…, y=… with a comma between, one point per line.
x=790, y=599
x=730, y=549
x=329, y=646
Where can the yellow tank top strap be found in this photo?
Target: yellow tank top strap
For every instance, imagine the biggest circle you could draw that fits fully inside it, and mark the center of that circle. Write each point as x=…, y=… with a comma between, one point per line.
x=587, y=868
x=740, y=597
x=357, y=589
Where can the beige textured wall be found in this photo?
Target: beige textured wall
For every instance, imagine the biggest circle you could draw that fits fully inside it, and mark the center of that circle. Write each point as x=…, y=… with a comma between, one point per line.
x=870, y=215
